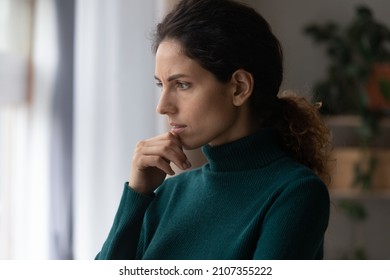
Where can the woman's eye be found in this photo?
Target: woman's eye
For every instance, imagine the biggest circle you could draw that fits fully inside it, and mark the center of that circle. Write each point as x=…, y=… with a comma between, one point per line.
x=183, y=85
x=159, y=84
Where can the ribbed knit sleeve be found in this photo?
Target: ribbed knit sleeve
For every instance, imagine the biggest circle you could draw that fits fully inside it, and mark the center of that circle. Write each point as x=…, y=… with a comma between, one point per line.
x=295, y=224
x=124, y=235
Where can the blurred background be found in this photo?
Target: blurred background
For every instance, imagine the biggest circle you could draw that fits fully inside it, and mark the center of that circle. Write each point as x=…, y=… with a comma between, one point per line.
x=77, y=93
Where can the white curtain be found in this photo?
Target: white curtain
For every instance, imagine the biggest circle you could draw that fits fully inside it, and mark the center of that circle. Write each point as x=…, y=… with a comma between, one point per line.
x=25, y=137
x=115, y=99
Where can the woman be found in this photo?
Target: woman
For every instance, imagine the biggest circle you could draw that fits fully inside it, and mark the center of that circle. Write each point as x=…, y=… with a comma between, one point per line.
x=260, y=195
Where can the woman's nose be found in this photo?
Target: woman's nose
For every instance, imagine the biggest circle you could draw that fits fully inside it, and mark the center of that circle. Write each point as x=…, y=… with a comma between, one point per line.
x=166, y=104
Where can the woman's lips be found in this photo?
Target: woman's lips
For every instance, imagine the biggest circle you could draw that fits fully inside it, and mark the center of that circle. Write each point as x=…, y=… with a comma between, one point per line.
x=177, y=128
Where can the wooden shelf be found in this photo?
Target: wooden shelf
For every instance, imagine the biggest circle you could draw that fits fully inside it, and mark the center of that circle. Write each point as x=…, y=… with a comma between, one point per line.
x=360, y=195
x=345, y=131
x=351, y=121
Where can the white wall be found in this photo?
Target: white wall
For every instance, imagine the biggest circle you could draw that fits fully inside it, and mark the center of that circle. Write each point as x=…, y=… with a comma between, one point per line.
x=305, y=62
x=115, y=97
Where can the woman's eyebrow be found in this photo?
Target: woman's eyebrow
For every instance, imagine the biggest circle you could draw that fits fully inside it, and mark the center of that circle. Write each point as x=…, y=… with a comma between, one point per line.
x=173, y=77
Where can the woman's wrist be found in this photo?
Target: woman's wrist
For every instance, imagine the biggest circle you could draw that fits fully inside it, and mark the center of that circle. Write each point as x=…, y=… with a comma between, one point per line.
x=141, y=191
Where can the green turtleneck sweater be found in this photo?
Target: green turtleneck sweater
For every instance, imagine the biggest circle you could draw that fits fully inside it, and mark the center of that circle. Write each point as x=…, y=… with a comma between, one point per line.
x=250, y=201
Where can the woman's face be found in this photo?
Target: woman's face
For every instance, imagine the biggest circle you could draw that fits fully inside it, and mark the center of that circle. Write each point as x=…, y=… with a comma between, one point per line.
x=199, y=108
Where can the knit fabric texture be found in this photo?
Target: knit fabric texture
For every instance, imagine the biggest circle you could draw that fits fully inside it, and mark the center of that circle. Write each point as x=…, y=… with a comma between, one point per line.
x=250, y=201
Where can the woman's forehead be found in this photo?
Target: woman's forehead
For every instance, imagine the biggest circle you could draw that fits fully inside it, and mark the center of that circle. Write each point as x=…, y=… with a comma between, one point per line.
x=170, y=60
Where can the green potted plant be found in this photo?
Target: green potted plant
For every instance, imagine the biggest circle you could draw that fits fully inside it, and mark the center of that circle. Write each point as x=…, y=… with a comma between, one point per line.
x=357, y=80
x=358, y=53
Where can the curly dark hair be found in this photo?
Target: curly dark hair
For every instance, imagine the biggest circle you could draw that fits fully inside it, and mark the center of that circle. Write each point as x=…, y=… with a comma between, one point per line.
x=224, y=36
x=305, y=135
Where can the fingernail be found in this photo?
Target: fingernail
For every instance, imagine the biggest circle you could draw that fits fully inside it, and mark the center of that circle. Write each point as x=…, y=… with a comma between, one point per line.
x=187, y=164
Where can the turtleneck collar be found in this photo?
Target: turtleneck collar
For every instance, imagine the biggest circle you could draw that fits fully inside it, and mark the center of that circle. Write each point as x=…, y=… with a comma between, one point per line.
x=250, y=152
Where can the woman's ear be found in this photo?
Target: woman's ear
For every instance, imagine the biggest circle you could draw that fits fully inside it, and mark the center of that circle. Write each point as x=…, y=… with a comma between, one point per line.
x=243, y=82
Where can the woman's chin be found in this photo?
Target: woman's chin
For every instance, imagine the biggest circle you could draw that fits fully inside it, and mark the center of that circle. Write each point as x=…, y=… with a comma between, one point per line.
x=190, y=145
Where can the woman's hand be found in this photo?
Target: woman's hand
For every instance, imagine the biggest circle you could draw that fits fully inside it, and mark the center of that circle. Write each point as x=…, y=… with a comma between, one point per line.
x=151, y=162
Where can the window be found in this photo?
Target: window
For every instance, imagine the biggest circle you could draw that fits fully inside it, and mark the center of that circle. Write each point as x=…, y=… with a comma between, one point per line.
x=23, y=144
